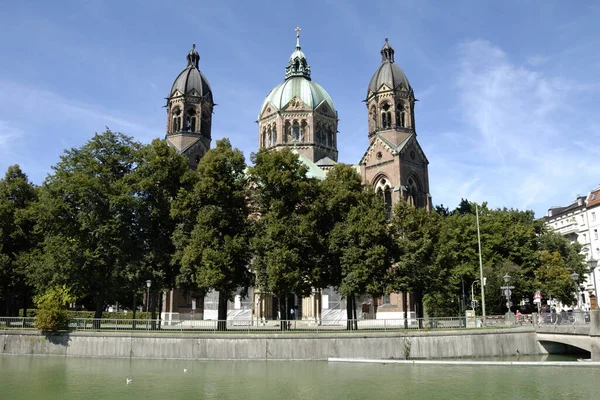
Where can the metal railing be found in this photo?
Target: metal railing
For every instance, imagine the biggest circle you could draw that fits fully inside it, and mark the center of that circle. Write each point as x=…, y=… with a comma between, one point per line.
x=270, y=326
x=564, y=318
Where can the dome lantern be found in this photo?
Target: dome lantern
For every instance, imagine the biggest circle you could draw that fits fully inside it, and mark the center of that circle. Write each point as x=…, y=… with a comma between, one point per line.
x=298, y=66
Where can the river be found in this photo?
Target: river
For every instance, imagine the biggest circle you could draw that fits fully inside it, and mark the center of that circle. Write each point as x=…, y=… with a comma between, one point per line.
x=35, y=377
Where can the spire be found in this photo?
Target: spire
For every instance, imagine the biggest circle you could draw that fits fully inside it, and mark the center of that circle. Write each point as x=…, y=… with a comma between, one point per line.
x=298, y=37
x=193, y=58
x=387, y=52
x=298, y=66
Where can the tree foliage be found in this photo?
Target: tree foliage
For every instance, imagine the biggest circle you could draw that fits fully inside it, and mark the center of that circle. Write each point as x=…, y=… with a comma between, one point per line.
x=17, y=237
x=212, y=234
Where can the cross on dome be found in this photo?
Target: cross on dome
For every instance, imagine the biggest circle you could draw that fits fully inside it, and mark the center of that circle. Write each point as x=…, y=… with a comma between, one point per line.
x=298, y=36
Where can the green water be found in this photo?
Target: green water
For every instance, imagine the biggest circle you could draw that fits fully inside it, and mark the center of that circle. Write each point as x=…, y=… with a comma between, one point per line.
x=32, y=377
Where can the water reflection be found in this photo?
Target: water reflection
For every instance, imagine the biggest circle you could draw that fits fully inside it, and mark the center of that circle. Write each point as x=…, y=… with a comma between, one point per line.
x=23, y=377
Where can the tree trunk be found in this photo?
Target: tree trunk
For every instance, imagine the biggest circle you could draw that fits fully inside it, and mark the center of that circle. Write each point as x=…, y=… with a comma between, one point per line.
x=98, y=313
x=25, y=295
x=134, y=310
x=222, y=312
x=282, y=321
x=405, y=308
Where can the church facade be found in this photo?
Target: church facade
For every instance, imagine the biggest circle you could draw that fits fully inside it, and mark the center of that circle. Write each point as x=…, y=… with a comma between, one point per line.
x=299, y=114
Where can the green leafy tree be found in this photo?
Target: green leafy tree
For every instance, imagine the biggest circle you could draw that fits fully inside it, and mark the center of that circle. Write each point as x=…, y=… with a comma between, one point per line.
x=212, y=237
x=283, y=233
x=361, y=244
x=52, y=305
x=17, y=238
x=87, y=213
x=554, y=279
x=155, y=182
x=416, y=270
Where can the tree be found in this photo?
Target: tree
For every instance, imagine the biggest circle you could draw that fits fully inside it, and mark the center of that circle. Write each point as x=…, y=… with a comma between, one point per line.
x=360, y=244
x=212, y=235
x=17, y=238
x=284, y=231
x=416, y=233
x=52, y=305
x=88, y=215
x=158, y=177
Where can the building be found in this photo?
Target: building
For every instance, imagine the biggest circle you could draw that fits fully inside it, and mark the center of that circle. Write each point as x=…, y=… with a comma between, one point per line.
x=580, y=222
x=298, y=113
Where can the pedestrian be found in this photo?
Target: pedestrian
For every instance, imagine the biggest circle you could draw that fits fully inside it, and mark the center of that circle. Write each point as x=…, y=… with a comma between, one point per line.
x=519, y=317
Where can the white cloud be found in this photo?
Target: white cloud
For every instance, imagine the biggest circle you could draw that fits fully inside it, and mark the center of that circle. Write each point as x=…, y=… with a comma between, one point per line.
x=8, y=134
x=522, y=141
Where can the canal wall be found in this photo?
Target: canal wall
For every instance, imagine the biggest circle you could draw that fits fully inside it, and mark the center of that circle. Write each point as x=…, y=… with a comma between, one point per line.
x=417, y=345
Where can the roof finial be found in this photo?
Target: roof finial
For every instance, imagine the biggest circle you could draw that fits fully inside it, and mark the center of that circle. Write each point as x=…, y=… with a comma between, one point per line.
x=298, y=37
x=193, y=58
x=386, y=39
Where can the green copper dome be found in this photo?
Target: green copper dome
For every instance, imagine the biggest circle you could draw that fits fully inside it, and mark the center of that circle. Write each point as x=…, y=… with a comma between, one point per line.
x=297, y=84
x=311, y=93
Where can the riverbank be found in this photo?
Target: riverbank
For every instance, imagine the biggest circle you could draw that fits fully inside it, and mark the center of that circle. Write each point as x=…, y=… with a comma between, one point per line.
x=390, y=345
x=583, y=363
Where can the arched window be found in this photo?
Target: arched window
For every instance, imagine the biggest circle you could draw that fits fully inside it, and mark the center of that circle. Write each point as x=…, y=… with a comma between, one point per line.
x=384, y=189
x=263, y=138
x=190, y=120
x=304, y=132
x=274, y=137
x=296, y=132
x=288, y=131
x=400, y=115
x=386, y=116
x=414, y=193
x=330, y=138
x=176, y=119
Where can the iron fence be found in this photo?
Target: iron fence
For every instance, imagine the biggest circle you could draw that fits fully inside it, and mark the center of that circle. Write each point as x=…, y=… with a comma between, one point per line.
x=272, y=326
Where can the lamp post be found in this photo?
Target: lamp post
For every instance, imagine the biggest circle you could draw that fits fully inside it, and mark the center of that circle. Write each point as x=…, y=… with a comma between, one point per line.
x=472, y=295
x=507, y=289
x=148, y=284
x=575, y=277
x=592, y=264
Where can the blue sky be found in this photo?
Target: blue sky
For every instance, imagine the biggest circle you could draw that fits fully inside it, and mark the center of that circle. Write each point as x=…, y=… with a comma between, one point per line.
x=509, y=91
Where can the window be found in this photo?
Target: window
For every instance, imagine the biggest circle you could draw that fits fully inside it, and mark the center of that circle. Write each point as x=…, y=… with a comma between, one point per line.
x=296, y=134
x=595, y=234
x=594, y=196
x=386, y=116
x=386, y=299
x=593, y=216
x=584, y=238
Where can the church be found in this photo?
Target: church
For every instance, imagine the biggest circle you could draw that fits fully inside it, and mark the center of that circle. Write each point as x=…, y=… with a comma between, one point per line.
x=299, y=114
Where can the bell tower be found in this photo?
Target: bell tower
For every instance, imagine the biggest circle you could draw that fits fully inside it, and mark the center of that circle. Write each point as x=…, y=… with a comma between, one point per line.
x=189, y=111
x=394, y=163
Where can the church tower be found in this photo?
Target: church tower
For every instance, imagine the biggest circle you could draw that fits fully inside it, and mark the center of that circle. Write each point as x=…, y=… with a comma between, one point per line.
x=394, y=163
x=189, y=111
x=299, y=113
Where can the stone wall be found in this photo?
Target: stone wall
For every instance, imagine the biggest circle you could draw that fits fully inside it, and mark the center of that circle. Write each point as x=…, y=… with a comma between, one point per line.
x=274, y=346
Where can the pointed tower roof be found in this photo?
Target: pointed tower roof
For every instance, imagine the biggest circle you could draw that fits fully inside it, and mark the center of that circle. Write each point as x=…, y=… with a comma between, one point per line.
x=191, y=79
x=298, y=66
x=388, y=73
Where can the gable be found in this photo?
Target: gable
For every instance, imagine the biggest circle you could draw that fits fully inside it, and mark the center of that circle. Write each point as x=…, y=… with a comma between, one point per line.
x=268, y=109
x=379, y=151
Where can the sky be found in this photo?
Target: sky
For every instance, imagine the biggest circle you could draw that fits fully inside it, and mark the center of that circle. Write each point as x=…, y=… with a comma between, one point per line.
x=508, y=91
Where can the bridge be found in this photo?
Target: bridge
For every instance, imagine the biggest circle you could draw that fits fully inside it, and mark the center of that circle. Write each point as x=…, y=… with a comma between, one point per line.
x=558, y=336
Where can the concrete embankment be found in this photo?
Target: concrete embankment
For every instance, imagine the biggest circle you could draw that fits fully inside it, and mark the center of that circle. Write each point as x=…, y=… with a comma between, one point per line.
x=432, y=344
x=470, y=362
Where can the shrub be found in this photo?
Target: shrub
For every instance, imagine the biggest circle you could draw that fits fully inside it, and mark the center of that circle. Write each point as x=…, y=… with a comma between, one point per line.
x=52, y=314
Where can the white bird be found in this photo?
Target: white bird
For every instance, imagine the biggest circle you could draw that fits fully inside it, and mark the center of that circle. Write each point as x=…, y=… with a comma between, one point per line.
x=129, y=380
x=184, y=370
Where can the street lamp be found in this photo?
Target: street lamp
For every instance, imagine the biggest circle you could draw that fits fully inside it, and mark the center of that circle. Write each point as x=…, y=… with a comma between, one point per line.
x=472, y=294
x=148, y=284
x=575, y=277
x=507, y=288
x=592, y=264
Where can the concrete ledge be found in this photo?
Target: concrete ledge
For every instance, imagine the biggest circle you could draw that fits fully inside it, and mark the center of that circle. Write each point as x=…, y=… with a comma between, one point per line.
x=288, y=346
x=468, y=362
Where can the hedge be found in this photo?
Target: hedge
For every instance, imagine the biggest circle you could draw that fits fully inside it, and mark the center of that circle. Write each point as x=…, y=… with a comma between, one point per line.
x=32, y=312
